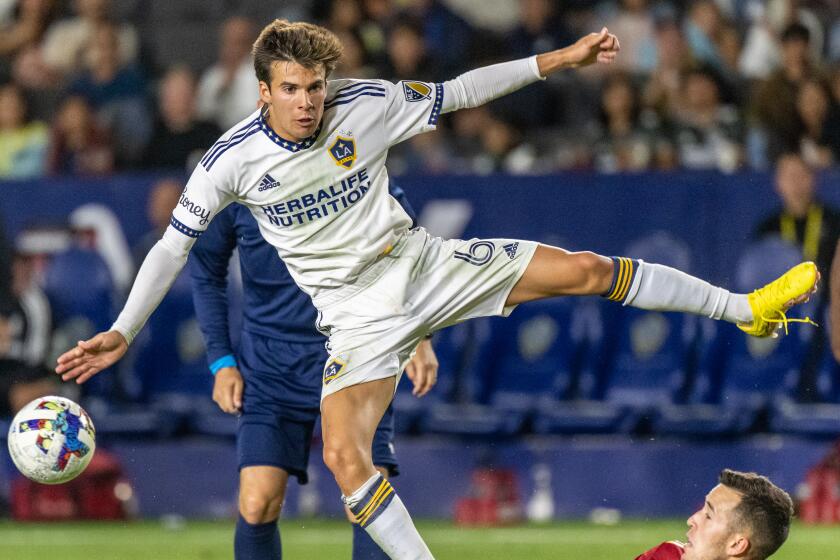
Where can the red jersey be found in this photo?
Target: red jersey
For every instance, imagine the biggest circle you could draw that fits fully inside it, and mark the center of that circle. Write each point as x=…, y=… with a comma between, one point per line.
x=671, y=550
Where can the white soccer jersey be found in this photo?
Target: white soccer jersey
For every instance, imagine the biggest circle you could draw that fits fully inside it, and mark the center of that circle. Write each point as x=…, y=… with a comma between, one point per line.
x=324, y=202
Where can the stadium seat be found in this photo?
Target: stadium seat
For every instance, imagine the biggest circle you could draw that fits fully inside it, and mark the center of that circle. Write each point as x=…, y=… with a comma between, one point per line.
x=169, y=352
x=530, y=356
x=80, y=290
x=741, y=377
x=820, y=418
x=582, y=410
x=130, y=420
x=78, y=284
x=646, y=358
x=453, y=347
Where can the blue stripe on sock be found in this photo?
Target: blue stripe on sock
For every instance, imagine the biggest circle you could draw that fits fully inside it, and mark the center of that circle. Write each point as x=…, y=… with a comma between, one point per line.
x=364, y=547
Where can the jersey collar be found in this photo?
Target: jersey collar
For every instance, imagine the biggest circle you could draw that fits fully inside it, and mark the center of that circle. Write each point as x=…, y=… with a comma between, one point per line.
x=287, y=144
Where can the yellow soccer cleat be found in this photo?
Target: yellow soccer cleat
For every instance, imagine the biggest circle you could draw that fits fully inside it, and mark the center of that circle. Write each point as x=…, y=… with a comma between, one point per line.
x=770, y=303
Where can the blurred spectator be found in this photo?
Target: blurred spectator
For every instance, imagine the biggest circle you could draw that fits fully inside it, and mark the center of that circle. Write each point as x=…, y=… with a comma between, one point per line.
x=354, y=62
x=78, y=145
x=488, y=144
x=116, y=91
x=227, y=92
x=774, y=100
x=622, y=143
x=179, y=138
x=65, y=44
x=408, y=57
x=25, y=336
x=633, y=25
x=673, y=59
x=422, y=154
x=702, y=29
x=378, y=15
x=819, y=142
x=729, y=46
x=6, y=295
x=707, y=132
x=31, y=20
x=505, y=149
x=447, y=36
x=540, y=30
x=344, y=15
x=834, y=85
x=803, y=219
x=163, y=197
x=23, y=143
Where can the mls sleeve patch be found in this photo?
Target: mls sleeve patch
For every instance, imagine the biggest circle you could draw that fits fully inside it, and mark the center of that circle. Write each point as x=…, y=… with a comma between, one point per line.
x=416, y=91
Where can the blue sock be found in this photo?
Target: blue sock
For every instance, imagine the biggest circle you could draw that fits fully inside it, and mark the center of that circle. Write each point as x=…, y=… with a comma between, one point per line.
x=256, y=542
x=363, y=546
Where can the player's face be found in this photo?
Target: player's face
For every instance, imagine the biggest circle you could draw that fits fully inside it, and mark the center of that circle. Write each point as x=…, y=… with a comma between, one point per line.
x=795, y=184
x=295, y=98
x=710, y=534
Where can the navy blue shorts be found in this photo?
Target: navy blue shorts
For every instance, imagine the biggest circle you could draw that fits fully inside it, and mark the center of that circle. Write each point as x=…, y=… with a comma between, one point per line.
x=281, y=404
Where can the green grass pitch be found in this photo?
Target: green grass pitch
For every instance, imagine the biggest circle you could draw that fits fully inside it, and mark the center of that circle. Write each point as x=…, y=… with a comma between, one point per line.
x=318, y=539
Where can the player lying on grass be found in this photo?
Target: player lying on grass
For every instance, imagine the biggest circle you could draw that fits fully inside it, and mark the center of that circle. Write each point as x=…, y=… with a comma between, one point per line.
x=273, y=381
x=379, y=286
x=745, y=517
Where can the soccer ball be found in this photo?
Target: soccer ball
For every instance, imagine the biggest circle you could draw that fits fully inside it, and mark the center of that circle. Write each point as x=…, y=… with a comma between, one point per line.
x=52, y=440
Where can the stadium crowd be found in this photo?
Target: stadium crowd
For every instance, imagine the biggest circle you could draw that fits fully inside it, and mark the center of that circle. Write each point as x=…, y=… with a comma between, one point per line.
x=92, y=87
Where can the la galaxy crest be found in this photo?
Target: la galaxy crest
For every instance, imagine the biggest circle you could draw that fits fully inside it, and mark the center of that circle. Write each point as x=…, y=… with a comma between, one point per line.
x=334, y=369
x=343, y=151
x=416, y=91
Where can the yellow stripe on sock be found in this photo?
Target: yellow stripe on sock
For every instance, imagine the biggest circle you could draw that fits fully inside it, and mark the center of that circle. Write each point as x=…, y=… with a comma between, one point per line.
x=382, y=486
x=378, y=503
x=618, y=281
x=626, y=285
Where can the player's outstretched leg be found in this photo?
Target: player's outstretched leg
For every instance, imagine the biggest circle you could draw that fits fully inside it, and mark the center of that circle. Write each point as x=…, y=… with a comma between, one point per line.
x=554, y=272
x=349, y=418
x=261, y=493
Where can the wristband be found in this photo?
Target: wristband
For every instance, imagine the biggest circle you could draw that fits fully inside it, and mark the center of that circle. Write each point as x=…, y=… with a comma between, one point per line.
x=223, y=362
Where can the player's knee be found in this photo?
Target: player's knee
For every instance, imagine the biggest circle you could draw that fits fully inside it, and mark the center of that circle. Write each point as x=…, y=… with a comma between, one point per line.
x=343, y=459
x=259, y=507
x=597, y=271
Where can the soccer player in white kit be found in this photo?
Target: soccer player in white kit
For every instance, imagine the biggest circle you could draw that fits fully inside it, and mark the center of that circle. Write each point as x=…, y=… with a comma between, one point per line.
x=310, y=166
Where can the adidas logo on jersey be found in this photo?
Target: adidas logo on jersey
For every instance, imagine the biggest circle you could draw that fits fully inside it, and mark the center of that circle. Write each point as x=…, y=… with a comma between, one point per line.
x=510, y=249
x=268, y=182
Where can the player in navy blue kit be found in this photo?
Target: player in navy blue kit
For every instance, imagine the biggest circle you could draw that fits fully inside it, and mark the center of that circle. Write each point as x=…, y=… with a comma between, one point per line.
x=281, y=357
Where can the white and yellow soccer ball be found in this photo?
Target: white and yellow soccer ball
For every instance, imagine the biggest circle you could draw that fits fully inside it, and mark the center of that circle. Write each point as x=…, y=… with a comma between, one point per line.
x=52, y=440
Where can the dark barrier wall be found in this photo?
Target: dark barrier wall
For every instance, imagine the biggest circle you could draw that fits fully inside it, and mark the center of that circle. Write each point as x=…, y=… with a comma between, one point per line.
x=713, y=214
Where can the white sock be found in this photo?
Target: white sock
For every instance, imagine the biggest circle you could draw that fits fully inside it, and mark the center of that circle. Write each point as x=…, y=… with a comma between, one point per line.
x=381, y=513
x=661, y=288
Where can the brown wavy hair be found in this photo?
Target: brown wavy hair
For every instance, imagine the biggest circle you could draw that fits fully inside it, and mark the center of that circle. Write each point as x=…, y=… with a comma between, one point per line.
x=309, y=45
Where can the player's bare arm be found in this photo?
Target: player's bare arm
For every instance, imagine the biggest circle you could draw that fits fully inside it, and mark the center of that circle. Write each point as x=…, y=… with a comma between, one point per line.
x=601, y=47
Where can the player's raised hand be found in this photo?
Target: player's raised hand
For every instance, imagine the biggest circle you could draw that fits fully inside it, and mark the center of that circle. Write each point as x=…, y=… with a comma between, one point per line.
x=423, y=368
x=89, y=357
x=227, y=390
x=596, y=47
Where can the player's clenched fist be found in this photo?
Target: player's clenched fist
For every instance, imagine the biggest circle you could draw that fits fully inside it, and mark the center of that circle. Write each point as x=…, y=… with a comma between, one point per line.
x=596, y=47
x=227, y=390
x=89, y=357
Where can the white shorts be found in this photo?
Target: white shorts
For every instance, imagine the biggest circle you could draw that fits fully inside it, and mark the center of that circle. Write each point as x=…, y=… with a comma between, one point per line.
x=423, y=285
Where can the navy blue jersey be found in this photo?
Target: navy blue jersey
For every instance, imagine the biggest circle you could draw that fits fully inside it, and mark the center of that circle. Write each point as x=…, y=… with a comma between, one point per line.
x=273, y=305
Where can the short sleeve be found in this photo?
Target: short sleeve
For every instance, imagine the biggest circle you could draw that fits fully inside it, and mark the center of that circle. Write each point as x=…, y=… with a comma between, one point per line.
x=412, y=108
